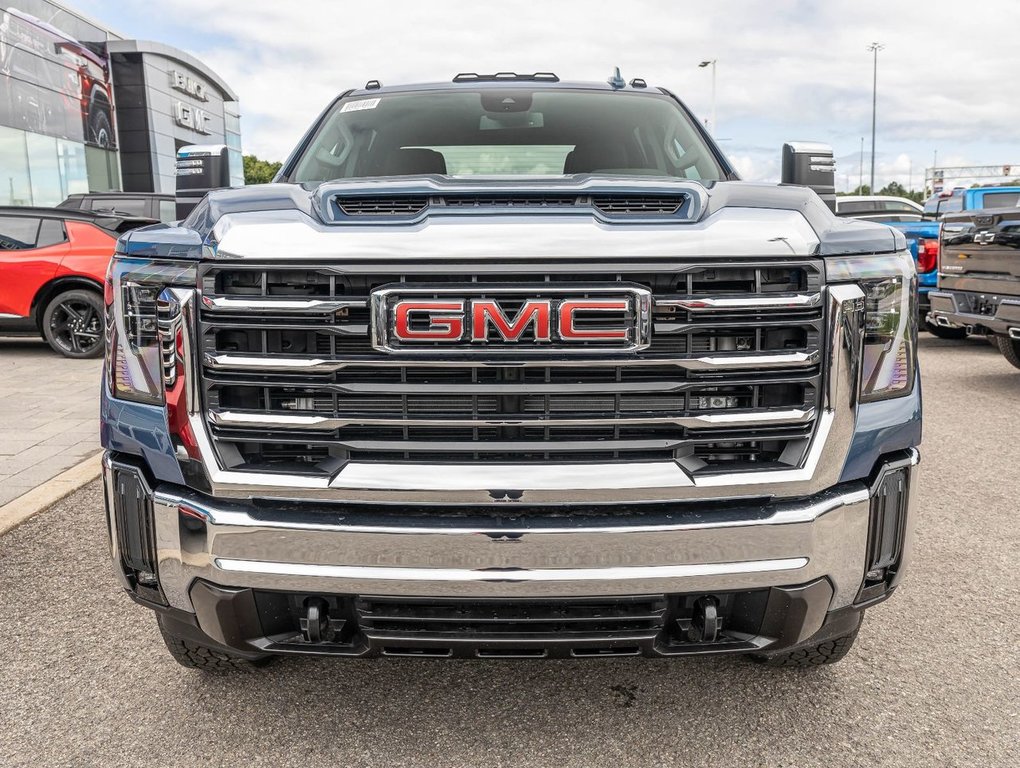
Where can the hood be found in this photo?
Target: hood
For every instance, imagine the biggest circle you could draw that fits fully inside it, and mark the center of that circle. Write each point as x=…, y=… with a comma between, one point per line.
x=433, y=217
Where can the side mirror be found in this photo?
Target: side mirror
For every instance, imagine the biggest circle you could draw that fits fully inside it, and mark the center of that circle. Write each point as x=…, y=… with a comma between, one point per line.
x=810, y=164
x=200, y=168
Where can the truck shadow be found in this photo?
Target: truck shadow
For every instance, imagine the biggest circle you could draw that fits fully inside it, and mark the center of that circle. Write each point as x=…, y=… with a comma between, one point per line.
x=506, y=702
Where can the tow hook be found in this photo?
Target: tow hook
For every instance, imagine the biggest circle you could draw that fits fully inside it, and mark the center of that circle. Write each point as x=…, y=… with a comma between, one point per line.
x=317, y=626
x=705, y=621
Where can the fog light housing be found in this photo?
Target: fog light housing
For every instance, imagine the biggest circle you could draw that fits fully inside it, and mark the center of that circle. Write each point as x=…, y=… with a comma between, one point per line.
x=135, y=531
x=886, y=533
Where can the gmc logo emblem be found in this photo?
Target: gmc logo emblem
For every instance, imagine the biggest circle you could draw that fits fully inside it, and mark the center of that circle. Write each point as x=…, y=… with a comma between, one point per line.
x=587, y=319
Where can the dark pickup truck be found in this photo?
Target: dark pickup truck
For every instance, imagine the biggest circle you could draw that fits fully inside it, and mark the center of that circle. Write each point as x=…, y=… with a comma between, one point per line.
x=979, y=276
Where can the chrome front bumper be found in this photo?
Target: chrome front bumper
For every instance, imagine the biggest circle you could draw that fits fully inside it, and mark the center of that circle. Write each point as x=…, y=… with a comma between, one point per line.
x=684, y=548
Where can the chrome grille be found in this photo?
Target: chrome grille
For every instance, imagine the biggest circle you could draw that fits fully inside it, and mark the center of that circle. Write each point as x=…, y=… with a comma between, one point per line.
x=731, y=381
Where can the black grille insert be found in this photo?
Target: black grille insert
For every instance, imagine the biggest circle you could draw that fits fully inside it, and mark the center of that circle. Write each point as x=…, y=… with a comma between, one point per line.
x=398, y=618
x=638, y=204
x=382, y=205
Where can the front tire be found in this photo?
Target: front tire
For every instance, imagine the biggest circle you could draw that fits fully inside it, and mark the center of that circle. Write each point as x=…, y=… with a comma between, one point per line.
x=100, y=128
x=192, y=655
x=825, y=652
x=73, y=323
x=1010, y=349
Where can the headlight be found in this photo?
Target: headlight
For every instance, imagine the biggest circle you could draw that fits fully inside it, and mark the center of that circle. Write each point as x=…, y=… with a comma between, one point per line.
x=134, y=363
x=889, y=282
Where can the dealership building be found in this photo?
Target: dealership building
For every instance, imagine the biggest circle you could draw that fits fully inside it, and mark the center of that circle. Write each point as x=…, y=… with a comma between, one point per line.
x=84, y=110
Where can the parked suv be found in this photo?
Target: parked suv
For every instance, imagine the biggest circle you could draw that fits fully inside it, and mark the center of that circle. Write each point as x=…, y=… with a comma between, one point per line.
x=52, y=266
x=149, y=205
x=511, y=367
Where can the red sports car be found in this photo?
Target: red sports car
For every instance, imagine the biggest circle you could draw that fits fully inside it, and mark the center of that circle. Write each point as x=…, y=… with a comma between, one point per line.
x=52, y=267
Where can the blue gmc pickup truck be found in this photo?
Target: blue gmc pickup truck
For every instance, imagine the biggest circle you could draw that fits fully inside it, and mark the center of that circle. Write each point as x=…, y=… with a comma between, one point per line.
x=511, y=367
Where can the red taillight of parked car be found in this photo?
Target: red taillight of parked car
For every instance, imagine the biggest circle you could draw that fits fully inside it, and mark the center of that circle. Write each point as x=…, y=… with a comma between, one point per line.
x=927, y=255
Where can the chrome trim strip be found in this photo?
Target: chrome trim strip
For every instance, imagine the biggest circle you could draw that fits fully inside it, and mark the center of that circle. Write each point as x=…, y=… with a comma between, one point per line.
x=511, y=575
x=262, y=304
x=11, y=316
x=227, y=361
x=328, y=424
x=738, y=361
x=727, y=304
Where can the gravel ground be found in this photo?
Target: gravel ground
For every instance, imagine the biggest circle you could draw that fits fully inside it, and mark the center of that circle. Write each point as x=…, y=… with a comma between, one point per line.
x=932, y=681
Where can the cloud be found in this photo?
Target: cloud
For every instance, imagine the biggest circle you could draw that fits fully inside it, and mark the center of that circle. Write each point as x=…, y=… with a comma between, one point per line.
x=787, y=69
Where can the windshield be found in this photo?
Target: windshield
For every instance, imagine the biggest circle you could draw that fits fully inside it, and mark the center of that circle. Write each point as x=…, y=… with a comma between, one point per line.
x=938, y=205
x=507, y=132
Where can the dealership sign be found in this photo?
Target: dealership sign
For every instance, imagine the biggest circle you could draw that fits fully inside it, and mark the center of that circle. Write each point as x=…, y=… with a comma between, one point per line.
x=191, y=117
x=184, y=114
x=189, y=85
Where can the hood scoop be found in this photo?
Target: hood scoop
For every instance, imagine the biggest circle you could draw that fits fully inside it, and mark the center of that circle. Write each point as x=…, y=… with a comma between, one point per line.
x=404, y=200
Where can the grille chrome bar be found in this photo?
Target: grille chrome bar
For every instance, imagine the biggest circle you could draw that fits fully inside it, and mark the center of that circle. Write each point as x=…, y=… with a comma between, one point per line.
x=537, y=388
x=329, y=423
x=230, y=361
x=265, y=304
x=753, y=302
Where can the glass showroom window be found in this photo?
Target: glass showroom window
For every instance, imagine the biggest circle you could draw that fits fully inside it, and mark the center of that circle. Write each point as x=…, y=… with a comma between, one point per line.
x=44, y=169
x=74, y=177
x=15, y=186
x=56, y=168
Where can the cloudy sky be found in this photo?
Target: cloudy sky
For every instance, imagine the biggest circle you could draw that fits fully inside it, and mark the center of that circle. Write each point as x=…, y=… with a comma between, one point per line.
x=786, y=69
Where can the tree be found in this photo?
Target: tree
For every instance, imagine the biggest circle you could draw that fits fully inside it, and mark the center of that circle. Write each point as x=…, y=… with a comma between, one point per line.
x=259, y=171
x=893, y=189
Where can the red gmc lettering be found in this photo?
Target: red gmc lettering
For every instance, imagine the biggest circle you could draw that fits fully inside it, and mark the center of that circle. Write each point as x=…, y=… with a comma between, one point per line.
x=537, y=311
x=441, y=326
x=570, y=307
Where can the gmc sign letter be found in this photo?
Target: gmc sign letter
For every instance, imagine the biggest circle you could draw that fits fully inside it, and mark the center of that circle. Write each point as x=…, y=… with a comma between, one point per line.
x=537, y=311
x=448, y=327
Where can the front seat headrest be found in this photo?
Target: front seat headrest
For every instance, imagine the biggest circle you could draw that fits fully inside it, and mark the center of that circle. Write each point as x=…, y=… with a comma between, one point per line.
x=588, y=158
x=408, y=162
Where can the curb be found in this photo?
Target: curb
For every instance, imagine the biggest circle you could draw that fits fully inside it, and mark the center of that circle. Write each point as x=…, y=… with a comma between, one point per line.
x=14, y=513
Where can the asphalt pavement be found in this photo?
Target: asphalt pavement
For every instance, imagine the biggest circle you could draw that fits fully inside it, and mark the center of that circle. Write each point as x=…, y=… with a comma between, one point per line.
x=932, y=681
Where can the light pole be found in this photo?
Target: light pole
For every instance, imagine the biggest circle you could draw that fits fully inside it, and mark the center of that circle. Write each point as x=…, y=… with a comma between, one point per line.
x=874, y=48
x=860, y=185
x=702, y=65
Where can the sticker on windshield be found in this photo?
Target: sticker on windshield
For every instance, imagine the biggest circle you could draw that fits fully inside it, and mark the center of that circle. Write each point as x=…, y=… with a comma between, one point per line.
x=356, y=106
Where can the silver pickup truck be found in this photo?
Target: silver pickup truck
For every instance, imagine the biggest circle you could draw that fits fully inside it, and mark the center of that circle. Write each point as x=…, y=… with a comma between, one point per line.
x=512, y=367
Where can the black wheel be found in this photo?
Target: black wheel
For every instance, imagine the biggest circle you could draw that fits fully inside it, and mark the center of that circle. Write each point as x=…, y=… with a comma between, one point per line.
x=945, y=333
x=1010, y=349
x=193, y=655
x=826, y=652
x=73, y=323
x=100, y=127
